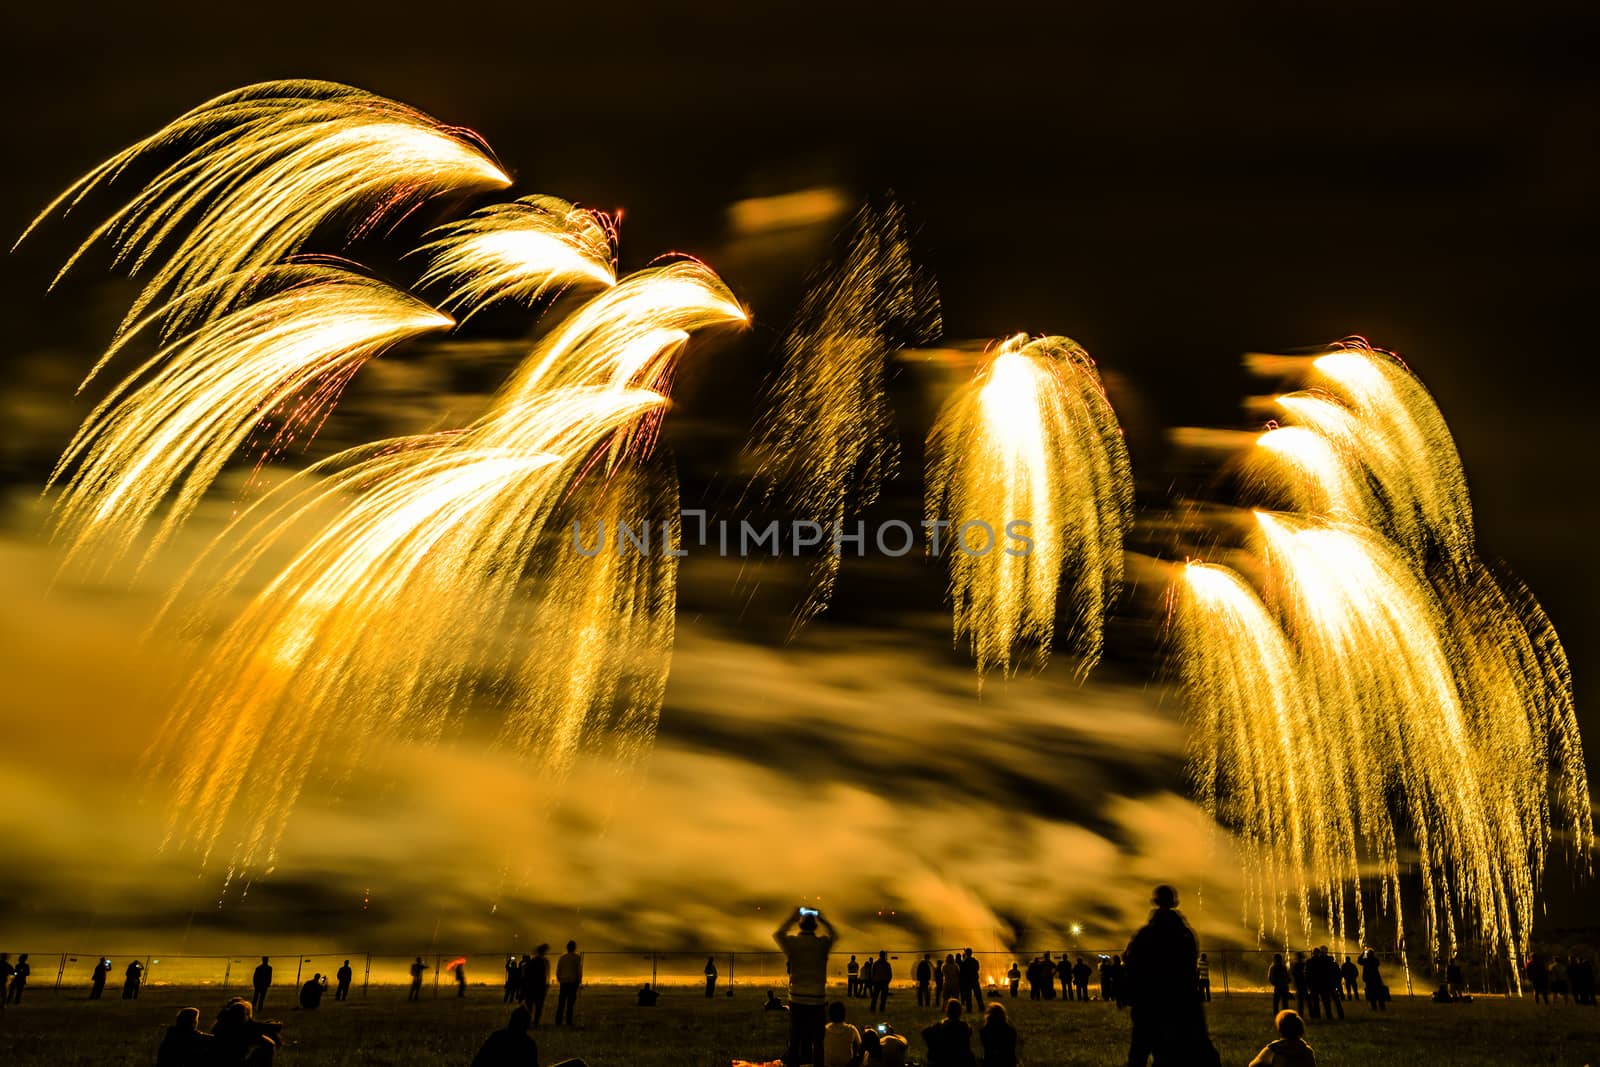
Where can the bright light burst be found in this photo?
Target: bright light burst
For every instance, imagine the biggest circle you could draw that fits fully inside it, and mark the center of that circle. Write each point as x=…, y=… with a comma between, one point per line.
x=258, y=171
x=276, y=362
x=520, y=251
x=1031, y=439
x=1387, y=700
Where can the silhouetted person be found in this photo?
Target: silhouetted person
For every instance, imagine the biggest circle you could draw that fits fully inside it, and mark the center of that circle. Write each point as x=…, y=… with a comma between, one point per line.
x=569, y=976
x=1119, y=984
x=345, y=975
x=772, y=1003
x=1302, y=988
x=882, y=975
x=6, y=971
x=418, y=969
x=998, y=1038
x=807, y=954
x=460, y=970
x=1278, y=979
x=711, y=977
x=1034, y=993
x=1047, y=977
x=924, y=978
x=1348, y=973
x=513, y=1046
x=513, y=980
x=1080, y=978
x=1064, y=972
x=102, y=971
x=185, y=1044
x=648, y=996
x=1455, y=984
x=240, y=1038
x=1014, y=976
x=132, y=978
x=852, y=977
x=949, y=1040
x=19, y=980
x=841, y=1042
x=970, y=980
x=536, y=982
x=311, y=993
x=1372, y=981
x=1169, y=1021
x=1202, y=978
x=1323, y=975
x=1290, y=1050
x=950, y=975
x=887, y=1049
x=261, y=981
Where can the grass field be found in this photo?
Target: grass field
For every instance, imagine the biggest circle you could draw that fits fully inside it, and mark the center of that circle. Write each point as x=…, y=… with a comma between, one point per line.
x=687, y=1030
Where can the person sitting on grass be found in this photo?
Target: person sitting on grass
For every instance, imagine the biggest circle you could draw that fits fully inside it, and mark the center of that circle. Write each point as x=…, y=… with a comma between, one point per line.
x=998, y=1037
x=772, y=1003
x=311, y=993
x=648, y=996
x=185, y=1044
x=949, y=1040
x=239, y=1037
x=889, y=1050
x=1290, y=1050
x=841, y=1042
x=513, y=1046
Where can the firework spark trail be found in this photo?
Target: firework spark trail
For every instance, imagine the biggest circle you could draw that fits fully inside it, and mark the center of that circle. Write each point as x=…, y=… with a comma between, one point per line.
x=519, y=251
x=1031, y=439
x=169, y=428
x=394, y=616
x=828, y=442
x=1436, y=695
x=258, y=171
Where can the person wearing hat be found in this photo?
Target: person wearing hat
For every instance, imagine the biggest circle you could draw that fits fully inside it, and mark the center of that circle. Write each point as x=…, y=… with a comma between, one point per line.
x=1169, y=1020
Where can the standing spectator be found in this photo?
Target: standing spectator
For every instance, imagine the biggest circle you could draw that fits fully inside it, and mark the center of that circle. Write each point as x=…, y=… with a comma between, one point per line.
x=971, y=980
x=1014, y=976
x=924, y=977
x=998, y=1037
x=261, y=981
x=882, y=975
x=807, y=954
x=19, y=979
x=1168, y=1020
x=1202, y=977
x=1080, y=978
x=513, y=980
x=1119, y=981
x=950, y=979
x=1064, y=970
x=852, y=978
x=132, y=978
x=1047, y=977
x=460, y=971
x=345, y=975
x=711, y=977
x=841, y=1042
x=1323, y=975
x=1348, y=973
x=569, y=976
x=949, y=1040
x=1107, y=980
x=1035, y=976
x=1278, y=979
x=102, y=971
x=1290, y=1050
x=1302, y=987
x=418, y=969
x=1372, y=980
x=536, y=981
x=6, y=971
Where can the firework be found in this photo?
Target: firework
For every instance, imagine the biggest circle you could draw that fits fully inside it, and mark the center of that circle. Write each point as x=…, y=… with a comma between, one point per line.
x=257, y=171
x=277, y=363
x=520, y=251
x=1030, y=446
x=827, y=439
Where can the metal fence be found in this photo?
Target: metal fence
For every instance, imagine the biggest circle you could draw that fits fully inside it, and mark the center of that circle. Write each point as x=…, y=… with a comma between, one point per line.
x=1232, y=971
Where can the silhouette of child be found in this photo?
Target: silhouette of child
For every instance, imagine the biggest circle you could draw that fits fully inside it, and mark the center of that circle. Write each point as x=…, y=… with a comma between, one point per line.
x=1290, y=1050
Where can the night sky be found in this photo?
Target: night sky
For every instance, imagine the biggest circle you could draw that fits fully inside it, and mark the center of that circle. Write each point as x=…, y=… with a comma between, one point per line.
x=1171, y=189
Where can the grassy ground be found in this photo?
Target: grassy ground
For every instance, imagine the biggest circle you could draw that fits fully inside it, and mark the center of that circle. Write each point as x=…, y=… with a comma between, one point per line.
x=686, y=1030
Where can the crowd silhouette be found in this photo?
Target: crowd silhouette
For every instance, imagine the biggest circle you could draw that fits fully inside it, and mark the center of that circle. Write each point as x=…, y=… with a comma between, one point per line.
x=1161, y=978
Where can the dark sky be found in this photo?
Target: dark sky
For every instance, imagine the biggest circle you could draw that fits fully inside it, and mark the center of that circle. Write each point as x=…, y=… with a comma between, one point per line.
x=1170, y=188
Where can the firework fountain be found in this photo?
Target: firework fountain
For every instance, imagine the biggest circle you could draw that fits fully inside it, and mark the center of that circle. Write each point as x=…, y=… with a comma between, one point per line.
x=1373, y=696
